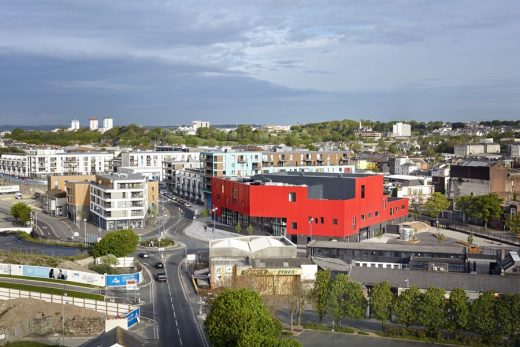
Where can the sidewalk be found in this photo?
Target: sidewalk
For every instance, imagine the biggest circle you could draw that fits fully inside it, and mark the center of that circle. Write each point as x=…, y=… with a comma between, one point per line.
x=197, y=231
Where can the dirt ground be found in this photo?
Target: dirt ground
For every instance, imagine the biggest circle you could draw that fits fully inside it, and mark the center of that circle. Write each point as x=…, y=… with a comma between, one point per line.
x=39, y=260
x=78, y=320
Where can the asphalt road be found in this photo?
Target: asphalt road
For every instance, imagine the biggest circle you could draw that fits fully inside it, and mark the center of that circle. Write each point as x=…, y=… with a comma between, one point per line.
x=49, y=227
x=169, y=302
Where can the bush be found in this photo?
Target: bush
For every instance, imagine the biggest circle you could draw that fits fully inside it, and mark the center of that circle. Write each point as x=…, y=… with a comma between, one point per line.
x=164, y=242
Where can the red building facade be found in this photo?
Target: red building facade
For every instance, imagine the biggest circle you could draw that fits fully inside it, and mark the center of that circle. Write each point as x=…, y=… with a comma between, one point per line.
x=304, y=206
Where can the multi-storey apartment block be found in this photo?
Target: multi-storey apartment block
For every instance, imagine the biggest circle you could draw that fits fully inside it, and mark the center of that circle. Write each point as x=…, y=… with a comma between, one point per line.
x=154, y=159
x=246, y=164
x=40, y=163
x=120, y=201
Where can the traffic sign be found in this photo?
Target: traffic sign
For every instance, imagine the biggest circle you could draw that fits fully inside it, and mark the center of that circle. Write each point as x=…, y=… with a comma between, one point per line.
x=131, y=284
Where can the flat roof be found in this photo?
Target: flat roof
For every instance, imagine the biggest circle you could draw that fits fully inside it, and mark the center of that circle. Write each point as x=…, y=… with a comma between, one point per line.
x=386, y=247
x=426, y=279
x=122, y=177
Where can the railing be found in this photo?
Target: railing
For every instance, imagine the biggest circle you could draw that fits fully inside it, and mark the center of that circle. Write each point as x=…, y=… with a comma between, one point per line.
x=490, y=234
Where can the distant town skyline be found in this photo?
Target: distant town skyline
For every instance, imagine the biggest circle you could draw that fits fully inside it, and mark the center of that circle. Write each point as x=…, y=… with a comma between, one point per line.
x=168, y=63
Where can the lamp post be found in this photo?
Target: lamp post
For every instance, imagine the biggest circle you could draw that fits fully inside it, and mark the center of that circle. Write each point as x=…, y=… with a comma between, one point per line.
x=310, y=223
x=85, y=223
x=214, y=211
x=407, y=283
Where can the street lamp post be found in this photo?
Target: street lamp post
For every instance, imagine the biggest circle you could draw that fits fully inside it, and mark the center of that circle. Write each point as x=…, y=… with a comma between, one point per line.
x=407, y=283
x=214, y=211
x=310, y=223
x=85, y=223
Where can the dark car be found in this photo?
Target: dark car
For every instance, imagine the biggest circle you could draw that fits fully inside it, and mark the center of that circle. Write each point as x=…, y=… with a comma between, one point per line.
x=144, y=255
x=159, y=265
x=161, y=277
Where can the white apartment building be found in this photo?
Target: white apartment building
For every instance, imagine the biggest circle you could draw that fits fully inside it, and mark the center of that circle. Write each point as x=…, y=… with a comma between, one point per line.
x=153, y=160
x=416, y=189
x=121, y=201
x=401, y=129
x=515, y=150
x=108, y=123
x=40, y=163
x=476, y=149
x=188, y=184
x=74, y=125
x=196, y=124
x=93, y=123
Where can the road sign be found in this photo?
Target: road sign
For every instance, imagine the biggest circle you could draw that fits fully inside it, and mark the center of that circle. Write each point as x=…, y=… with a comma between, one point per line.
x=133, y=317
x=131, y=284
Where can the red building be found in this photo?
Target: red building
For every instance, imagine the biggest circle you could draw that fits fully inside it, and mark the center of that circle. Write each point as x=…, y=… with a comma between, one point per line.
x=308, y=205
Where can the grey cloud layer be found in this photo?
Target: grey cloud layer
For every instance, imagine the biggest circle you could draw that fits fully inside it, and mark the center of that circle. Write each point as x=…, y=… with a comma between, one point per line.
x=263, y=62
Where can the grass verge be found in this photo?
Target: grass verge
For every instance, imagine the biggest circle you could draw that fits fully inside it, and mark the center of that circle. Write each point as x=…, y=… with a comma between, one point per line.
x=323, y=327
x=27, y=237
x=86, y=285
x=54, y=291
x=27, y=344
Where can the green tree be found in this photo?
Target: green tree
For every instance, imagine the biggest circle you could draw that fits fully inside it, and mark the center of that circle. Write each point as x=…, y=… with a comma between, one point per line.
x=250, y=230
x=483, y=319
x=109, y=260
x=488, y=207
x=119, y=243
x=381, y=299
x=431, y=310
x=238, y=228
x=321, y=293
x=338, y=289
x=21, y=213
x=405, y=306
x=239, y=314
x=435, y=204
x=457, y=311
x=354, y=302
x=513, y=223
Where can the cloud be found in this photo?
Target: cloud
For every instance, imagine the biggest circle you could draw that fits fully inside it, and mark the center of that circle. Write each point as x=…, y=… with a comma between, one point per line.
x=269, y=58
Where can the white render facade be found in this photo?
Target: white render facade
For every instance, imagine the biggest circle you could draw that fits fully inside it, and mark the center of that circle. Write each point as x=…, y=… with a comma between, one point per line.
x=154, y=159
x=40, y=163
x=119, y=201
x=188, y=184
x=402, y=129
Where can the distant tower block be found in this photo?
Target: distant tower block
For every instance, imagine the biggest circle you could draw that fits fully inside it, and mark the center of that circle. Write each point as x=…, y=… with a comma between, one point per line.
x=94, y=125
x=108, y=123
x=74, y=125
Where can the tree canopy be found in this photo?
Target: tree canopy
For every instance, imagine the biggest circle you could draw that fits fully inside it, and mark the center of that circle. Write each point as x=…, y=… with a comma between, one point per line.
x=119, y=243
x=435, y=204
x=21, y=213
x=238, y=317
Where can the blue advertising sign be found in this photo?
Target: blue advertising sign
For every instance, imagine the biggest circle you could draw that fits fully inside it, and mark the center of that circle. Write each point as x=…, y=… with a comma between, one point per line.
x=44, y=272
x=133, y=317
x=120, y=280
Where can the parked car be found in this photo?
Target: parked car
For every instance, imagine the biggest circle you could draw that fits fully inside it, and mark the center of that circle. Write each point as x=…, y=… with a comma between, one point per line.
x=161, y=277
x=159, y=265
x=144, y=255
x=187, y=204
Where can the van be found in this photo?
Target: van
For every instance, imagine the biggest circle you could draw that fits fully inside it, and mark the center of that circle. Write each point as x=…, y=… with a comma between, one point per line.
x=18, y=196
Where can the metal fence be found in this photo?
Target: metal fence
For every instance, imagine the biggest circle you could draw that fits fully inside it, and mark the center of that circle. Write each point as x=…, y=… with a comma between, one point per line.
x=494, y=235
x=108, y=308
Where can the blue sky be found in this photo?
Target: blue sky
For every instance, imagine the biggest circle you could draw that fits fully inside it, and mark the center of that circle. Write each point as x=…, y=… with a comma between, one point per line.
x=263, y=62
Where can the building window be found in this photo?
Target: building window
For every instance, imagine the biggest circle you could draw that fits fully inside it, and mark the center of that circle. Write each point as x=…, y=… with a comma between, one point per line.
x=292, y=197
x=377, y=213
x=384, y=203
x=370, y=215
x=322, y=220
x=294, y=226
x=362, y=217
x=335, y=221
x=234, y=196
x=353, y=222
x=391, y=211
x=222, y=189
x=362, y=191
x=402, y=207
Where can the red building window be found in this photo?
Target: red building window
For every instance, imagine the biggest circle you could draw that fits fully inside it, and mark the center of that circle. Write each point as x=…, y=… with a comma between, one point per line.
x=294, y=226
x=363, y=191
x=292, y=197
x=335, y=221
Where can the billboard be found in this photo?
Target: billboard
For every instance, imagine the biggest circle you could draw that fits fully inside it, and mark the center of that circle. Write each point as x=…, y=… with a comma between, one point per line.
x=120, y=280
x=44, y=272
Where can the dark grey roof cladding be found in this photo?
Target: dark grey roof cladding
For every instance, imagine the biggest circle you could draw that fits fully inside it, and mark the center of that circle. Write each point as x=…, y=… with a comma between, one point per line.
x=331, y=186
x=426, y=279
x=387, y=247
